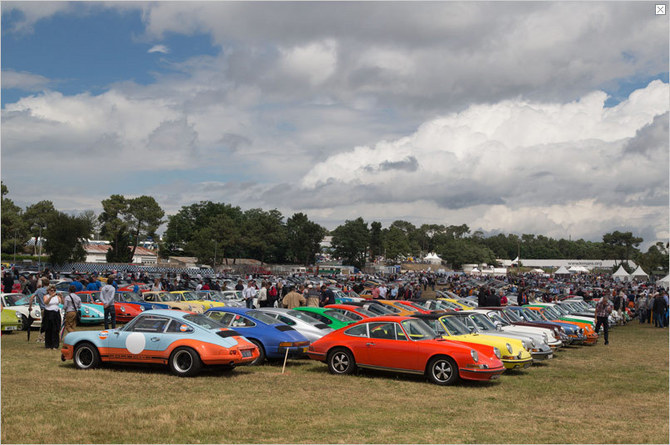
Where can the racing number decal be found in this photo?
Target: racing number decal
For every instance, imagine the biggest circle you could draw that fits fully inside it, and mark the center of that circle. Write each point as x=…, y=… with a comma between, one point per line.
x=135, y=343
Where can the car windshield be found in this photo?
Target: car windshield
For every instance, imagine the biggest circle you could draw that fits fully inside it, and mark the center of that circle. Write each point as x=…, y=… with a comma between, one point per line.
x=365, y=312
x=16, y=300
x=164, y=296
x=232, y=295
x=379, y=309
x=129, y=297
x=264, y=318
x=454, y=326
x=202, y=321
x=496, y=317
x=300, y=315
x=392, y=308
x=550, y=312
x=338, y=316
x=418, y=329
x=482, y=322
x=189, y=296
x=531, y=315
x=512, y=315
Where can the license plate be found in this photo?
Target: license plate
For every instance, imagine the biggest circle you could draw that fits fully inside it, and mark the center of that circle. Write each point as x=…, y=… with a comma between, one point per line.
x=550, y=356
x=493, y=377
x=246, y=353
x=11, y=328
x=305, y=349
x=527, y=365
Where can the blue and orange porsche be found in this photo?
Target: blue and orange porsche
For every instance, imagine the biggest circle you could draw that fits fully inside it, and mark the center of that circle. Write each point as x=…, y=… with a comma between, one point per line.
x=185, y=342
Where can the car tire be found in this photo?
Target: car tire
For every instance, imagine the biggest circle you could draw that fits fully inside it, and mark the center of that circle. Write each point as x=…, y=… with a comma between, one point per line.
x=261, y=356
x=184, y=362
x=341, y=361
x=442, y=370
x=86, y=356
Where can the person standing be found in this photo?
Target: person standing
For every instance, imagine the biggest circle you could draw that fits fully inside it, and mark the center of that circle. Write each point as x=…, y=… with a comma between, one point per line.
x=313, y=296
x=51, y=318
x=38, y=298
x=327, y=296
x=71, y=305
x=7, y=281
x=263, y=295
x=107, y=298
x=603, y=310
x=659, y=308
x=293, y=299
x=249, y=293
x=641, y=308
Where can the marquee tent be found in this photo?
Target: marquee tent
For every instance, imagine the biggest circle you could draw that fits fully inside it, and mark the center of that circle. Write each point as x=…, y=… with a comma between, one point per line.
x=665, y=282
x=639, y=273
x=621, y=274
x=562, y=271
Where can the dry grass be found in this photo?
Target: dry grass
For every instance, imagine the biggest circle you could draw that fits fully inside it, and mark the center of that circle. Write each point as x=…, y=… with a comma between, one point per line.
x=613, y=394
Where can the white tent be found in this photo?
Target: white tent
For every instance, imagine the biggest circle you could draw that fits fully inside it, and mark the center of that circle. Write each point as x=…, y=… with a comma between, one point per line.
x=639, y=273
x=562, y=271
x=578, y=269
x=432, y=258
x=475, y=271
x=665, y=282
x=621, y=274
x=537, y=271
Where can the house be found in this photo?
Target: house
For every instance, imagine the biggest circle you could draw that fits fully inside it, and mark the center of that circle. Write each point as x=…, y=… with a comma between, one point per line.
x=97, y=253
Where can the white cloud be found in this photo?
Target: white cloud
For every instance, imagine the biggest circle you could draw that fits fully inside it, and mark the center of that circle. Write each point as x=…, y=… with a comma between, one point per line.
x=159, y=49
x=315, y=61
x=23, y=80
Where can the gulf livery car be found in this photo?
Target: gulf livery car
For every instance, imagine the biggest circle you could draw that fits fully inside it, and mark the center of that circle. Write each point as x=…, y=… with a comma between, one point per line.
x=272, y=337
x=88, y=313
x=407, y=345
x=124, y=312
x=185, y=342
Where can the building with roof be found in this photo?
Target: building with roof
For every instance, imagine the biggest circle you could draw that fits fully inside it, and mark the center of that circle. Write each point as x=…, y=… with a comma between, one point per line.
x=97, y=253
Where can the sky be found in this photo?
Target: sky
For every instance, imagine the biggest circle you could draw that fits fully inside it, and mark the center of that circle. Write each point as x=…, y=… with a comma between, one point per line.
x=511, y=117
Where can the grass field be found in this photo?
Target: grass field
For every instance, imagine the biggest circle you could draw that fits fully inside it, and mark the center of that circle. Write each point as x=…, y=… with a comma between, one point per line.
x=601, y=394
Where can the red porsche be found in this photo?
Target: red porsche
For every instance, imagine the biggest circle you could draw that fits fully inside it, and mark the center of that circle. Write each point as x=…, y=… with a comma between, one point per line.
x=408, y=345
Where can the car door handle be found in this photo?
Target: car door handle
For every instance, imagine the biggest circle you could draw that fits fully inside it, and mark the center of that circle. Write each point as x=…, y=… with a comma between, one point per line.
x=155, y=339
x=369, y=344
x=116, y=333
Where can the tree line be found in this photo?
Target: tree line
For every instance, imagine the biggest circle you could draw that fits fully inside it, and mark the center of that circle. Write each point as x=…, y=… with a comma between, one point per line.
x=216, y=233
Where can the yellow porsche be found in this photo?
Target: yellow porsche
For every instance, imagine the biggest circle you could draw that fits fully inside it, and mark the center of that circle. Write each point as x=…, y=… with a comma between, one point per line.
x=512, y=353
x=172, y=301
x=192, y=297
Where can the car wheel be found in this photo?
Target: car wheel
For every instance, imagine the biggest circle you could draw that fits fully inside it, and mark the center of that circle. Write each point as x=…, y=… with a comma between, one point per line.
x=443, y=370
x=341, y=361
x=185, y=362
x=261, y=355
x=86, y=356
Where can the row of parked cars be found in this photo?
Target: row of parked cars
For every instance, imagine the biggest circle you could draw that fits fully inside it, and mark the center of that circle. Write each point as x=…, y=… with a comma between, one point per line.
x=421, y=337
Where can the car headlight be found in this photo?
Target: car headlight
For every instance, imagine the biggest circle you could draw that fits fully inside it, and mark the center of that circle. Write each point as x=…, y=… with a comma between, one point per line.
x=142, y=308
x=532, y=342
x=526, y=345
x=581, y=331
x=509, y=348
x=123, y=309
x=496, y=351
x=545, y=337
x=18, y=316
x=87, y=310
x=474, y=355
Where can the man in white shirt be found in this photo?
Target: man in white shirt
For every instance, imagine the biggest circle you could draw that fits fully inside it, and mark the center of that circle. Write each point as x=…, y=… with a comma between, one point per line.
x=249, y=293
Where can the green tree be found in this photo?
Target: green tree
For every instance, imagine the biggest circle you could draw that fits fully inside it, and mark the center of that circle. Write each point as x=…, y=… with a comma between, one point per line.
x=303, y=239
x=65, y=236
x=14, y=227
x=38, y=217
x=144, y=216
x=621, y=245
x=263, y=234
x=376, y=239
x=114, y=229
x=396, y=245
x=350, y=242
